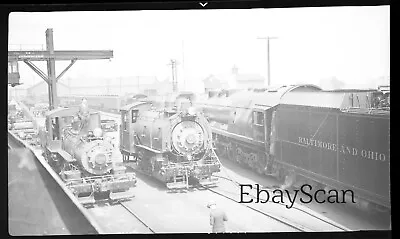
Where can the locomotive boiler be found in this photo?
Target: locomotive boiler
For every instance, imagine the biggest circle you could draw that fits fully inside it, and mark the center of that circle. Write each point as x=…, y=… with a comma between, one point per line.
x=76, y=149
x=93, y=154
x=172, y=145
x=300, y=133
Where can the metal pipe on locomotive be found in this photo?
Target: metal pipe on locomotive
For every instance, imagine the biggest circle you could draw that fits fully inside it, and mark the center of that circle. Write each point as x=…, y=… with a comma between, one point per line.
x=75, y=147
x=172, y=144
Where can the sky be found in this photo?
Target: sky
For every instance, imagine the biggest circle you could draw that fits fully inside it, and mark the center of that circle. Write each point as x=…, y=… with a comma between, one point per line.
x=349, y=43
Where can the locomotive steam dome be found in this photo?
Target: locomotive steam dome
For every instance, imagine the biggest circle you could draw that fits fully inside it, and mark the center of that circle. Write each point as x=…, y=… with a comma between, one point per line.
x=188, y=137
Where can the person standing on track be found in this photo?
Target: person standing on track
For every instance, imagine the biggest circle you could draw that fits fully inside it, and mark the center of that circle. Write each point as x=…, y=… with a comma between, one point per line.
x=217, y=218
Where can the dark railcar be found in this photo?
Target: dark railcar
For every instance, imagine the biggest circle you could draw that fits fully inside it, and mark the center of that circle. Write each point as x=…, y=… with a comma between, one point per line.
x=324, y=136
x=334, y=144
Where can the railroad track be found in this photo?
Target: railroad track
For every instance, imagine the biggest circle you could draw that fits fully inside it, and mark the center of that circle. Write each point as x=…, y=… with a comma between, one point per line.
x=313, y=216
x=285, y=222
x=119, y=218
x=136, y=216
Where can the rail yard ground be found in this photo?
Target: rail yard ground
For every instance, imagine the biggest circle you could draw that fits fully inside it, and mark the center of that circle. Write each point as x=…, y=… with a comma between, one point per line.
x=155, y=209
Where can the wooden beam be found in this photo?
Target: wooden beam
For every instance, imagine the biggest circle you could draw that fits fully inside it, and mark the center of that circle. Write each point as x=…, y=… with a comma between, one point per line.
x=58, y=55
x=37, y=70
x=65, y=70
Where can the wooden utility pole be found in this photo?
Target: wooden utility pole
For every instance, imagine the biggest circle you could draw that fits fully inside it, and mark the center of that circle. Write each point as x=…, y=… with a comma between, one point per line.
x=268, y=61
x=174, y=77
x=183, y=65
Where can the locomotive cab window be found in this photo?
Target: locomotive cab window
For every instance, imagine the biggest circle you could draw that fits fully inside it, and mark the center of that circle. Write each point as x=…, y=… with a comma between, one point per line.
x=258, y=118
x=134, y=115
x=55, y=124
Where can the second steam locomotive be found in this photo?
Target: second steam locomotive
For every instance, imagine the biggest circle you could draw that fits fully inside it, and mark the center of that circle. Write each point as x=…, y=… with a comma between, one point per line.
x=173, y=145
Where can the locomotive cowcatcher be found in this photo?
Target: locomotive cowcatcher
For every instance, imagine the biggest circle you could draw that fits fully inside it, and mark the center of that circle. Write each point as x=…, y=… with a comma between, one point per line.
x=173, y=146
x=75, y=148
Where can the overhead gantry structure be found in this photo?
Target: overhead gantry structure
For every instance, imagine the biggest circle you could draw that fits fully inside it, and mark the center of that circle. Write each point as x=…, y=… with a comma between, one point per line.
x=50, y=55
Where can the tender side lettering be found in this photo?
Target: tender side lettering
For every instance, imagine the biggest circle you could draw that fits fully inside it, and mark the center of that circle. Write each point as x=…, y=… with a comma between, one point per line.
x=344, y=149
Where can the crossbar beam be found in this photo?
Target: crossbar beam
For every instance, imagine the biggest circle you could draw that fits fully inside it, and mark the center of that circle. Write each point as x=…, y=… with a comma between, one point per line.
x=59, y=55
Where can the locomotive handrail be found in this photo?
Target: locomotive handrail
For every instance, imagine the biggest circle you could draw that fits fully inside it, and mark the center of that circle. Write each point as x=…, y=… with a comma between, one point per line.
x=92, y=178
x=366, y=110
x=147, y=148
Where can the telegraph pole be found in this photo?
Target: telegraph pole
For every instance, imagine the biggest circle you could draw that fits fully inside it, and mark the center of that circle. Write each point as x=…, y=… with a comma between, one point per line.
x=268, y=59
x=174, y=78
x=183, y=64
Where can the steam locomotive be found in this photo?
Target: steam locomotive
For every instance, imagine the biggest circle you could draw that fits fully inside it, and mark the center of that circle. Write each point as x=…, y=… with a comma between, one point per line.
x=168, y=142
x=330, y=139
x=76, y=149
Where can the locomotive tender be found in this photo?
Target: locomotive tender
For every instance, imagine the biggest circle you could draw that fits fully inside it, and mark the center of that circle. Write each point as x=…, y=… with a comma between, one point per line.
x=74, y=146
x=172, y=145
x=334, y=139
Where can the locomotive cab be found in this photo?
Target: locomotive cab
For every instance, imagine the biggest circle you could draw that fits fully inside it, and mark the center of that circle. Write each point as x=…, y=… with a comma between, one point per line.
x=258, y=125
x=129, y=116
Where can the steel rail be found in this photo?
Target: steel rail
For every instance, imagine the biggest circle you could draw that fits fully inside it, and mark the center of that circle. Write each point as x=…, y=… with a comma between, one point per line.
x=136, y=216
